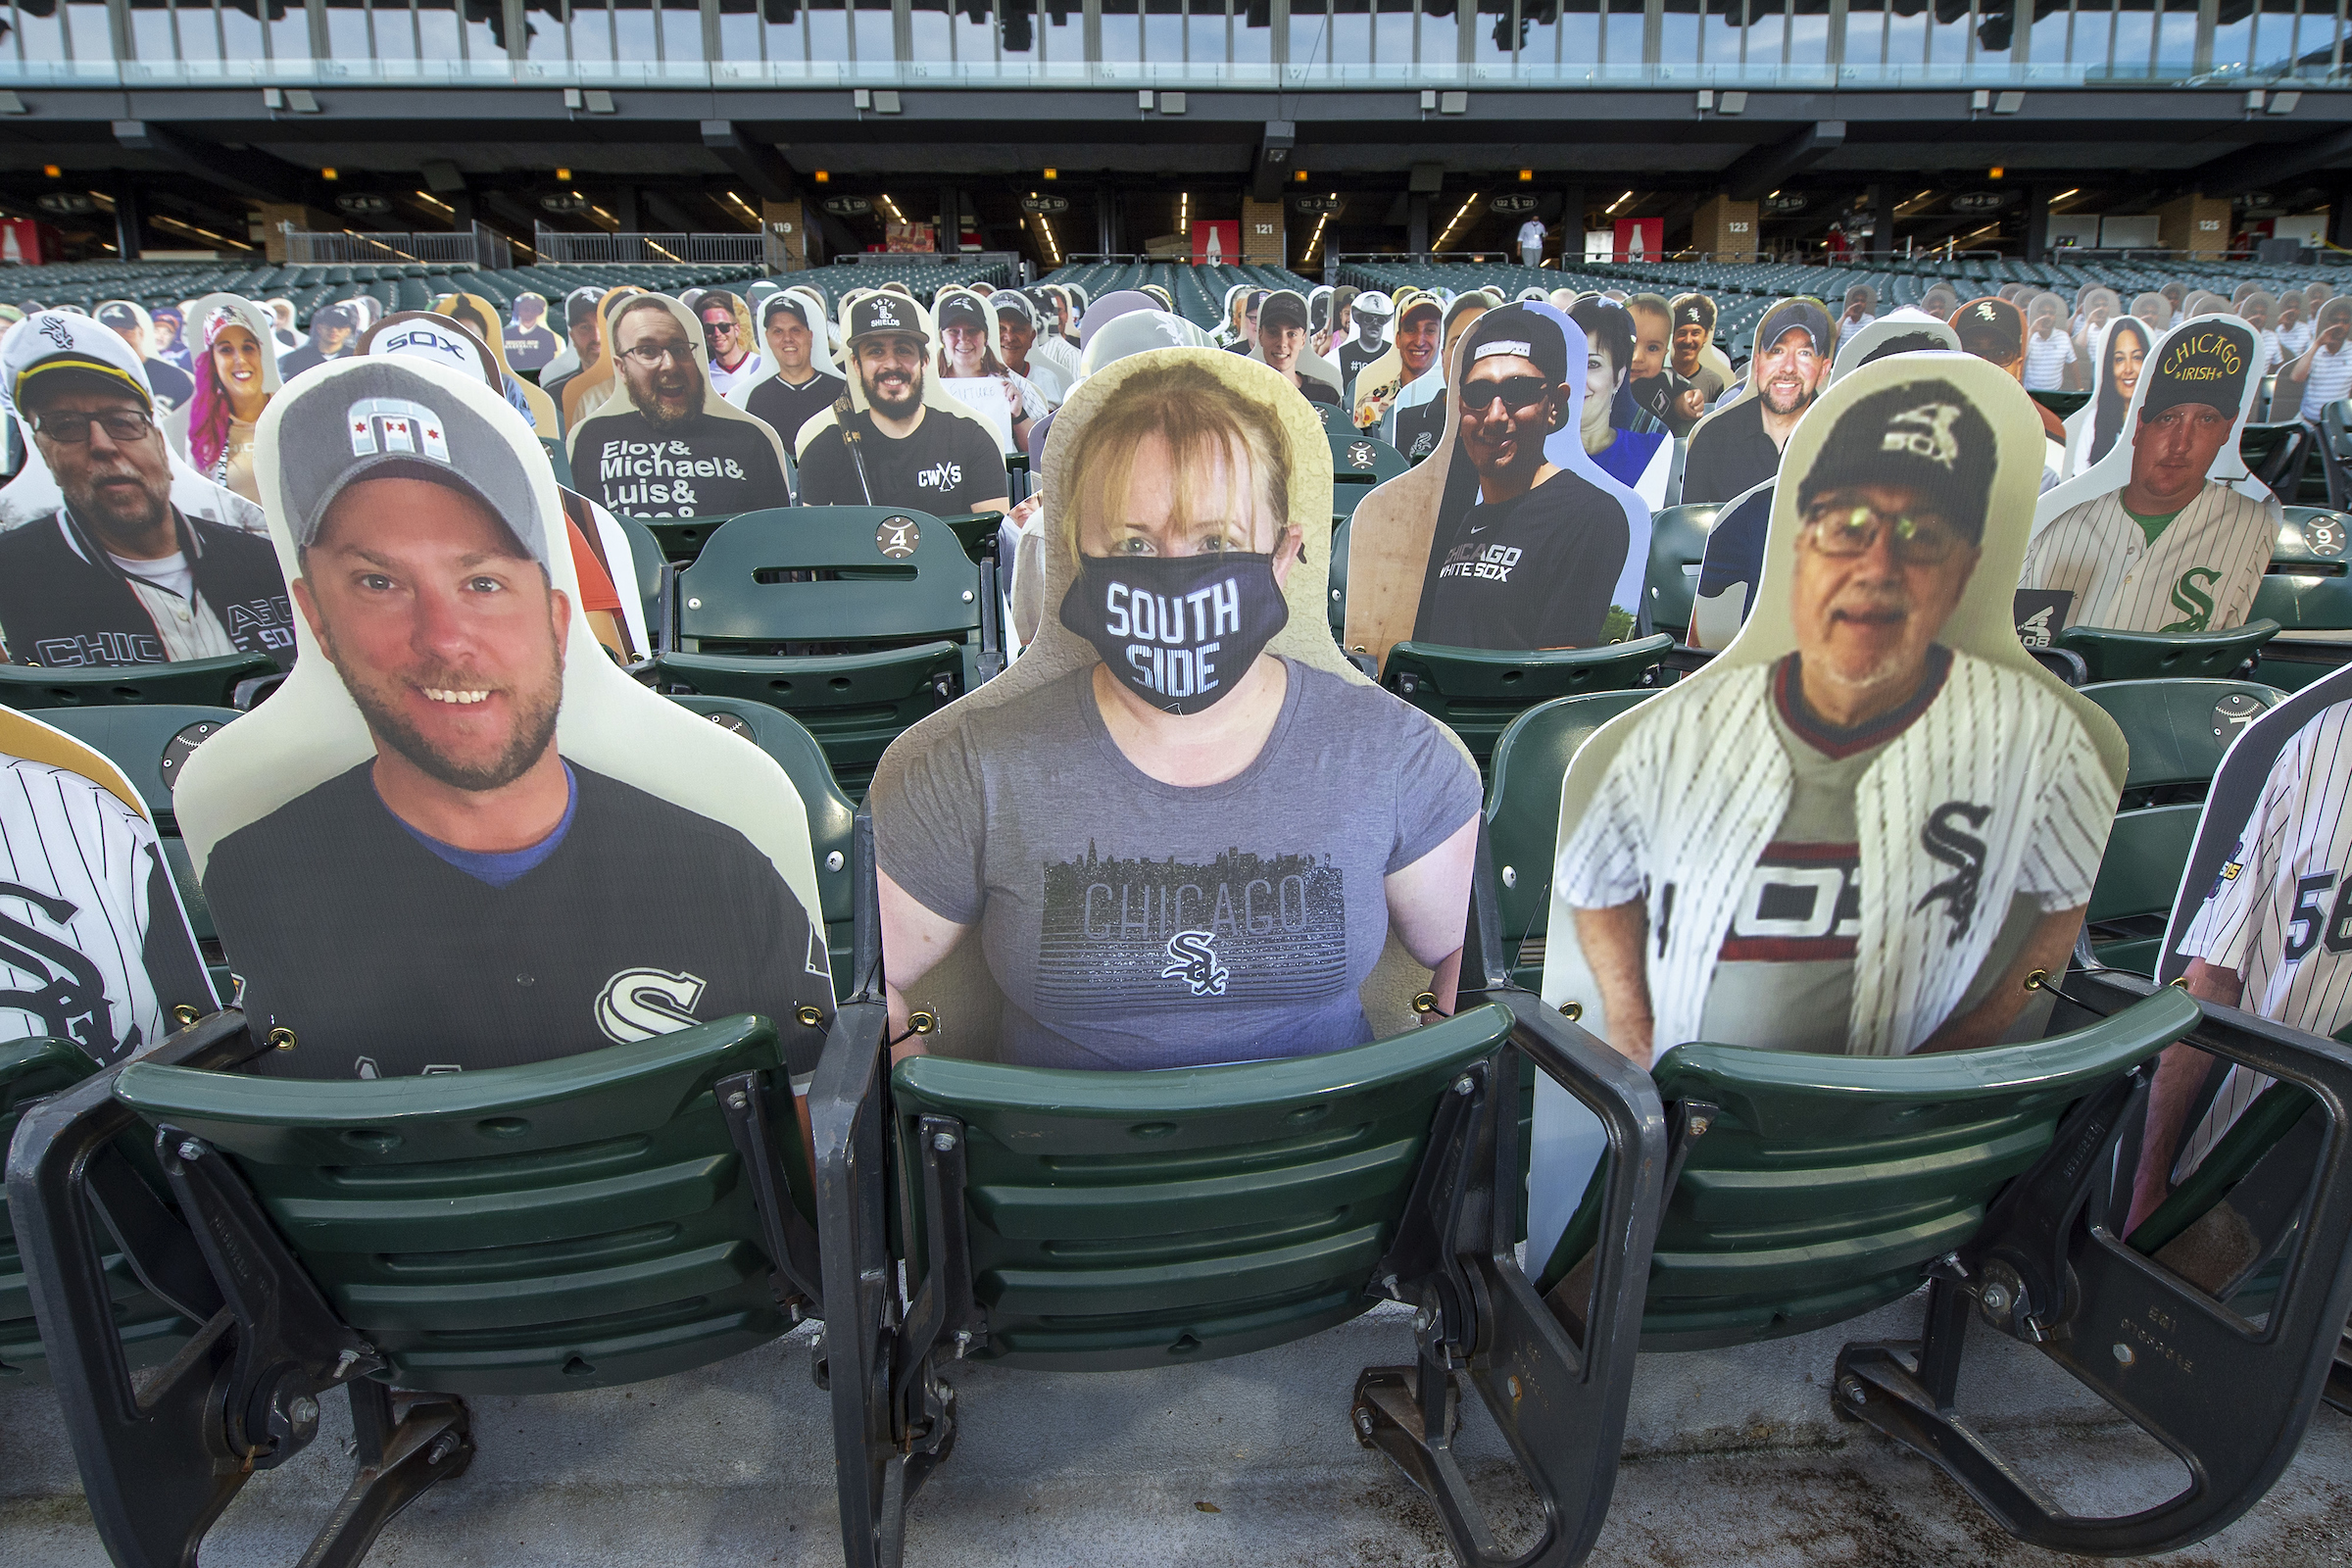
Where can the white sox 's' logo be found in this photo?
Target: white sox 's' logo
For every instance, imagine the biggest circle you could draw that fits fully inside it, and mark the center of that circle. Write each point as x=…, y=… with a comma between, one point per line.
x=1924, y=433
x=1193, y=958
x=1942, y=838
x=58, y=333
x=71, y=1004
x=640, y=1003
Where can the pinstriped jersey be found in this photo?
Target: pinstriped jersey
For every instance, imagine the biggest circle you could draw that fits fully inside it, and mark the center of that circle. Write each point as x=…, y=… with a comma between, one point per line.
x=93, y=946
x=1993, y=792
x=2280, y=912
x=2199, y=576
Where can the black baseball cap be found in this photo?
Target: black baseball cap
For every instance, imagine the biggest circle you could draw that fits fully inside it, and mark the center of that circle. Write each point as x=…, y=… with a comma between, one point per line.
x=580, y=305
x=398, y=417
x=1924, y=434
x=1991, y=329
x=961, y=310
x=120, y=315
x=1523, y=332
x=1797, y=315
x=2206, y=363
x=886, y=312
x=335, y=315
x=1282, y=307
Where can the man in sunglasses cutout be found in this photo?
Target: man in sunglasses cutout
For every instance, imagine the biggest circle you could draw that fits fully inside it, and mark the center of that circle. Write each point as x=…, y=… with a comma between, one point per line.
x=119, y=575
x=1532, y=563
x=1864, y=845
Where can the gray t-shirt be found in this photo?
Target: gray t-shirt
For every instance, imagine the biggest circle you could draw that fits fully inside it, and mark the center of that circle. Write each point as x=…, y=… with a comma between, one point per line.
x=1132, y=923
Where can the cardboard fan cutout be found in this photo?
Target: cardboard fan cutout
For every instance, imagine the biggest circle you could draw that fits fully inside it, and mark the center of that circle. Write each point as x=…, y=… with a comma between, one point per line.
x=1413, y=356
x=94, y=945
x=665, y=444
x=33, y=494
x=1735, y=554
x=2167, y=532
x=1316, y=377
x=968, y=368
x=595, y=532
x=2119, y=358
x=1863, y=822
x=2262, y=910
x=529, y=344
x=480, y=317
x=459, y=836
x=1510, y=537
x=949, y=465
x=236, y=374
x=587, y=390
x=1256, y=907
x=132, y=572
x=1737, y=446
x=799, y=377
x=1993, y=329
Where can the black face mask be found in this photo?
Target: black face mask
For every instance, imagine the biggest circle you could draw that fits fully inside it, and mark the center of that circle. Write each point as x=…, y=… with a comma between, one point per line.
x=1180, y=630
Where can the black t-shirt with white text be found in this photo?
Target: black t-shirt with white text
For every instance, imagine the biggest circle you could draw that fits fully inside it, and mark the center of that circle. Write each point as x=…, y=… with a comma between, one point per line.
x=707, y=466
x=786, y=408
x=948, y=465
x=531, y=350
x=1536, y=572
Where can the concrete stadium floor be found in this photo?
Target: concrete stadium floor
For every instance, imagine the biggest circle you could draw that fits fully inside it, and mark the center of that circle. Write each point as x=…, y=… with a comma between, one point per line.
x=1732, y=1458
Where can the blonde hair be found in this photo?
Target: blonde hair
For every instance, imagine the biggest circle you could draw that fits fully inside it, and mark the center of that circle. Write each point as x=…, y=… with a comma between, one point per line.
x=1202, y=419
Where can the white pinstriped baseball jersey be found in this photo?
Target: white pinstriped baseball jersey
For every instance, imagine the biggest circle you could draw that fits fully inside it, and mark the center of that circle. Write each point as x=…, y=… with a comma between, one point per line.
x=2280, y=912
x=93, y=944
x=1996, y=790
x=2199, y=576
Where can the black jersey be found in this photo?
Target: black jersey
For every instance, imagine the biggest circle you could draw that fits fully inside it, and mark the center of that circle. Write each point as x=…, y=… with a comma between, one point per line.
x=948, y=465
x=1729, y=456
x=1532, y=572
x=786, y=408
x=387, y=960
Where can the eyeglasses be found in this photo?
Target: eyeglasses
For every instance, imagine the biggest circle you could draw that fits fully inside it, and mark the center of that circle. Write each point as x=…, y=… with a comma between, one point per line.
x=647, y=355
x=1843, y=529
x=73, y=429
x=1517, y=392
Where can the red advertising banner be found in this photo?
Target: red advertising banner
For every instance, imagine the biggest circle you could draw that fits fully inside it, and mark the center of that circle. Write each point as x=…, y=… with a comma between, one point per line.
x=1641, y=239
x=20, y=241
x=1218, y=242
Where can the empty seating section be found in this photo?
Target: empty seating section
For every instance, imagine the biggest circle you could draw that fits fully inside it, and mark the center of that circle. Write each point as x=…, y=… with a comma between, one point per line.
x=1198, y=291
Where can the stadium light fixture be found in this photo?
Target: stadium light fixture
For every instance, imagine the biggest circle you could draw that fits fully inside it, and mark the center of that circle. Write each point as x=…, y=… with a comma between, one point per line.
x=563, y=176
x=1997, y=173
x=328, y=173
x=823, y=177
x=53, y=171
x=1526, y=177
x=1052, y=173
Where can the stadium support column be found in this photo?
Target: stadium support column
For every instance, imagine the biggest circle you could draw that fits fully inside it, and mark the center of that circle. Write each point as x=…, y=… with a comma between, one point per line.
x=1261, y=233
x=2037, y=223
x=624, y=209
x=1416, y=223
x=949, y=241
x=2196, y=223
x=1725, y=228
x=1882, y=228
x=785, y=233
x=127, y=226
x=2339, y=218
x=1106, y=218
x=1572, y=224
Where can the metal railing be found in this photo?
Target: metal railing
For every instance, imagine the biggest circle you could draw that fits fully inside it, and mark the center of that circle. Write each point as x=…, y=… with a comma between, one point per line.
x=477, y=246
x=561, y=247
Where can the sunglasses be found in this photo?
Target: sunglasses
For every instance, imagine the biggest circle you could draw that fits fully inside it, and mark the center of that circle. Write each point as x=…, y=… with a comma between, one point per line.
x=73, y=429
x=1845, y=529
x=1516, y=392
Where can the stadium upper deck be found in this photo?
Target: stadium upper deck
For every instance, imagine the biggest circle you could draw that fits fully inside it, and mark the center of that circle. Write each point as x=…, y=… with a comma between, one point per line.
x=1742, y=127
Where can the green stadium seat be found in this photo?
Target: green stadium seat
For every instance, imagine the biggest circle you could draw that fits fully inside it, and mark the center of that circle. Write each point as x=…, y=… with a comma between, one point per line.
x=1360, y=462
x=830, y=815
x=682, y=538
x=2280, y=455
x=2061, y=403
x=149, y=1331
x=1523, y=816
x=652, y=572
x=583, y=1222
x=1477, y=692
x=1678, y=544
x=210, y=683
x=860, y=647
x=1338, y=575
x=559, y=459
x=2139, y=877
x=2178, y=731
x=1102, y=1221
x=2112, y=655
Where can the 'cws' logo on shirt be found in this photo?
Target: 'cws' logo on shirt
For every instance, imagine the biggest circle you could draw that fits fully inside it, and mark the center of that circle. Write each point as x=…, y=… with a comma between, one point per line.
x=940, y=476
x=395, y=425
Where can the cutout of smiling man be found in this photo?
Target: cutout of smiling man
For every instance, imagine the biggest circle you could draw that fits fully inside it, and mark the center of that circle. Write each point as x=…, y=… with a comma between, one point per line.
x=2171, y=550
x=664, y=448
x=467, y=897
x=1738, y=447
x=896, y=452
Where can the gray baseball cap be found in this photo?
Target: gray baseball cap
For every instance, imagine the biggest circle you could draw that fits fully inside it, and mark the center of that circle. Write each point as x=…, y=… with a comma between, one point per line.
x=381, y=419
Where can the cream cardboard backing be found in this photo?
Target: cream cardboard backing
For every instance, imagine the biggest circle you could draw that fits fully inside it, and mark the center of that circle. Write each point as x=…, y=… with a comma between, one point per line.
x=958, y=989
x=310, y=731
x=586, y=481
x=1980, y=624
x=1393, y=532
